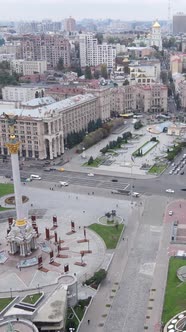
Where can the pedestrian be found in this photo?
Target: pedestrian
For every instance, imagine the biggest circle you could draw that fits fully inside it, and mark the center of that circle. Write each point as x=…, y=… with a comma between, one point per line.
x=88, y=321
x=180, y=205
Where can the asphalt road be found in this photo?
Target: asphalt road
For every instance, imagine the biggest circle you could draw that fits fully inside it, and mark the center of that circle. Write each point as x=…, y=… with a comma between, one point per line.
x=155, y=186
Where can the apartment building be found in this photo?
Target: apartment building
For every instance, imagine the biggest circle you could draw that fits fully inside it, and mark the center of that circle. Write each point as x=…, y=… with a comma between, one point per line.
x=182, y=94
x=123, y=99
x=42, y=130
x=21, y=93
x=93, y=54
x=151, y=98
x=179, y=23
x=47, y=47
x=70, y=24
x=24, y=67
x=178, y=63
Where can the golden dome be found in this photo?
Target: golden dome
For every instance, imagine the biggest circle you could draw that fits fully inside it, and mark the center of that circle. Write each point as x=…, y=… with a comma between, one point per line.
x=156, y=25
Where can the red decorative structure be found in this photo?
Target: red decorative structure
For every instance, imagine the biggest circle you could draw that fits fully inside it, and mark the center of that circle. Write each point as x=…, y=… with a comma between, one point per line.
x=33, y=218
x=72, y=228
x=88, y=251
x=55, y=235
x=66, y=268
x=83, y=264
x=85, y=237
x=10, y=222
x=36, y=229
x=52, y=259
x=54, y=223
x=58, y=252
x=40, y=264
x=47, y=233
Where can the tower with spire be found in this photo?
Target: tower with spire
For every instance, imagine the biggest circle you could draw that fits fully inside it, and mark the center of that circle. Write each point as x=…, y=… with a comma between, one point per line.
x=156, y=39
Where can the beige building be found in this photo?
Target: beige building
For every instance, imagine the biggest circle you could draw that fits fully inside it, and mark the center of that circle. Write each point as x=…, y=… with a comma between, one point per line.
x=123, y=99
x=182, y=93
x=42, y=130
x=21, y=93
x=70, y=24
x=151, y=98
x=24, y=67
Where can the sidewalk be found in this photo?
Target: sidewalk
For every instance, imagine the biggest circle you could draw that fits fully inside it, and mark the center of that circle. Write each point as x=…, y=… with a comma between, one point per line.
x=99, y=309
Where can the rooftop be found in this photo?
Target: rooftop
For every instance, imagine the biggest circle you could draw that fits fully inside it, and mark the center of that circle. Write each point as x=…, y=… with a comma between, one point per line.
x=52, y=109
x=39, y=101
x=53, y=310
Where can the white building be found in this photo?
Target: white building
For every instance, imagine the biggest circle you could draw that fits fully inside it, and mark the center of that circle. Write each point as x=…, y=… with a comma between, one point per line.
x=21, y=93
x=7, y=57
x=93, y=54
x=156, y=39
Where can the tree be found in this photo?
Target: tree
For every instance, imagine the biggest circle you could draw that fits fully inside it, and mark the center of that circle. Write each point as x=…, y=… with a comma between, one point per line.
x=99, y=37
x=104, y=71
x=88, y=74
x=164, y=77
x=91, y=160
x=126, y=82
x=60, y=64
x=97, y=74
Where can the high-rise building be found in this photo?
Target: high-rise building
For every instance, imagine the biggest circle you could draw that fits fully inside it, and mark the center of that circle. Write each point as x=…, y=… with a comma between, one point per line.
x=70, y=24
x=179, y=23
x=94, y=54
x=46, y=47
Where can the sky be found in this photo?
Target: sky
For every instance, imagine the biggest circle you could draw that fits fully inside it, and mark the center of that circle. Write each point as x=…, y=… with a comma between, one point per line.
x=127, y=10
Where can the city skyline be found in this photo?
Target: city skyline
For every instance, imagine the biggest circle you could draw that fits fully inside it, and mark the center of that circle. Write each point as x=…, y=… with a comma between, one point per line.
x=115, y=9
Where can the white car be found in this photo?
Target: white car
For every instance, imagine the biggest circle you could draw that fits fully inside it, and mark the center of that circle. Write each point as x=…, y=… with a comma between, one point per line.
x=170, y=172
x=170, y=213
x=171, y=191
x=63, y=183
x=90, y=174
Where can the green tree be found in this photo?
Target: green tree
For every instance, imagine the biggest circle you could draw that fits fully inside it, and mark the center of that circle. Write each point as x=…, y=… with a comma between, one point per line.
x=60, y=64
x=97, y=74
x=104, y=72
x=126, y=82
x=99, y=37
x=90, y=161
x=88, y=74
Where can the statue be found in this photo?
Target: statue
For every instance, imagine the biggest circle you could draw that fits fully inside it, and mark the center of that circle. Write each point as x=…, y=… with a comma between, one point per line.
x=11, y=124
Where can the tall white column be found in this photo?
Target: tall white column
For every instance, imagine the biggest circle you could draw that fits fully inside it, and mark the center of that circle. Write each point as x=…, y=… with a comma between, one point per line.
x=17, y=186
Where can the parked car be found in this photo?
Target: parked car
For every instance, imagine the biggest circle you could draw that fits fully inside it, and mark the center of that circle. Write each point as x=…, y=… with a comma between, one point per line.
x=182, y=173
x=90, y=174
x=170, y=213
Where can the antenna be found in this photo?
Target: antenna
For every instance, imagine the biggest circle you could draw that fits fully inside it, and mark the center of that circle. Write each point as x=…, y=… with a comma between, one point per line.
x=169, y=16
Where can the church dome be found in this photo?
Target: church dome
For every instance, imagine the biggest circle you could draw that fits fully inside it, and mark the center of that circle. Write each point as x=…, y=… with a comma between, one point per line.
x=156, y=25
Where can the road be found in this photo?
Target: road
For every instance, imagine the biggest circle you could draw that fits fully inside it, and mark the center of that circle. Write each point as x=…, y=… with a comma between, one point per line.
x=156, y=186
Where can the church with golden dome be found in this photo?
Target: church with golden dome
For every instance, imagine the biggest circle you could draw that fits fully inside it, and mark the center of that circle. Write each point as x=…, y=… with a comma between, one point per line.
x=156, y=39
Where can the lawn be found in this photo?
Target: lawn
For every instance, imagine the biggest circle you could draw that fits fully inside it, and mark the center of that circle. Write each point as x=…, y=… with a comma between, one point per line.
x=4, y=209
x=157, y=169
x=6, y=189
x=109, y=234
x=175, y=299
x=4, y=302
x=32, y=299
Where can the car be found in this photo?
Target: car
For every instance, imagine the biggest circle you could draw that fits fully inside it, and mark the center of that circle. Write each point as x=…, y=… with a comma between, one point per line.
x=90, y=174
x=61, y=169
x=183, y=189
x=170, y=213
x=178, y=169
x=63, y=183
x=171, y=191
x=46, y=169
x=173, y=164
x=114, y=192
x=114, y=180
x=181, y=173
x=135, y=194
x=170, y=172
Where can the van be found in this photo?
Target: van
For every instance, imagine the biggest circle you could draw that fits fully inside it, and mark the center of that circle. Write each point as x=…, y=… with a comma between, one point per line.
x=134, y=194
x=35, y=177
x=63, y=183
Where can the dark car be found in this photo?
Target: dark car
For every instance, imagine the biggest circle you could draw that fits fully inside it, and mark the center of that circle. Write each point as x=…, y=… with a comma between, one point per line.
x=181, y=173
x=114, y=180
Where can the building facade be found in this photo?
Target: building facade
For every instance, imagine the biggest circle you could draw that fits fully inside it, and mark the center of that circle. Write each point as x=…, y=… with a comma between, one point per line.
x=47, y=47
x=24, y=67
x=179, y=23
x=123, y=99
x=42, y=130
x=93, y=54
x=156, y=39
x=21, y=93
x=151, y=98
x=70, y=24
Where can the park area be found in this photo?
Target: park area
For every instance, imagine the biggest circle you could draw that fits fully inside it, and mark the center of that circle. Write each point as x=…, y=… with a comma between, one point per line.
x=175, y=299
x=5, y=189
x=110, y=235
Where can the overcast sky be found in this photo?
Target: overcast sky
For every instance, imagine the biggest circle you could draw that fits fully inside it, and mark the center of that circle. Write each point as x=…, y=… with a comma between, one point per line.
x=60, y=9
